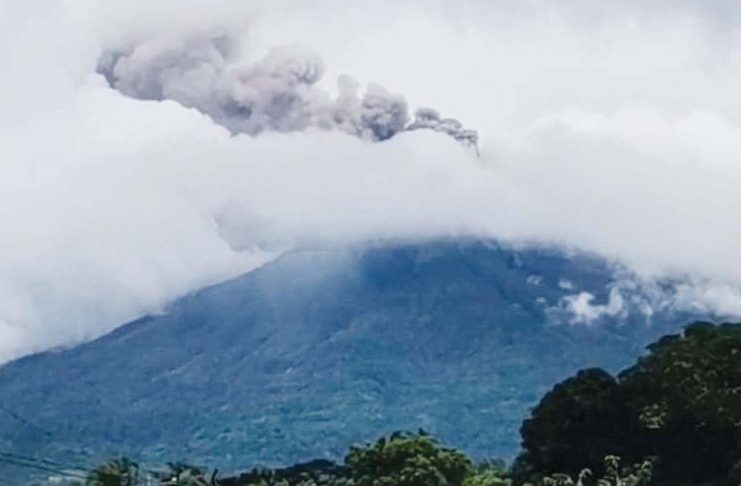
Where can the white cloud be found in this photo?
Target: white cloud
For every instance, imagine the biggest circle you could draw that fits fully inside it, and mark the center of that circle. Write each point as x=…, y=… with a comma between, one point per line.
x=614, y=130
x=582, y=309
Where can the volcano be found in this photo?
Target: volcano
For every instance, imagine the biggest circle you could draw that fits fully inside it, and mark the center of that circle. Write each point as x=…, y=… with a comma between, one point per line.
x=320, y=349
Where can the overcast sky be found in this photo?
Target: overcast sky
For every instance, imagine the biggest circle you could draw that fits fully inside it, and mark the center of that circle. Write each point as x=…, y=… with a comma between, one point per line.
x=612, y=127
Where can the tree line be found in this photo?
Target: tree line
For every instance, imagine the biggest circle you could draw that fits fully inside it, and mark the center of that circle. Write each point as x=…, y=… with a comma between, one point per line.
x=673, y=418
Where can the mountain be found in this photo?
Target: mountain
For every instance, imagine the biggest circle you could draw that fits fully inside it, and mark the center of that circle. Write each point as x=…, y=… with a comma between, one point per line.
x=320, y=349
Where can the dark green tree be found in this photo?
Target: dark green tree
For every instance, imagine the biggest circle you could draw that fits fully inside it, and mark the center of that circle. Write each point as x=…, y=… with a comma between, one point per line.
x=680, y=405
x=576, y=425
x=686, y=395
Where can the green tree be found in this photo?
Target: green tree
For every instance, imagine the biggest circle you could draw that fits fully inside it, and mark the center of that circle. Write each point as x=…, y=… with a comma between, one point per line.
x=487, y=477
x=491, y=472
x=407, y=460
x=686, y=397
x=578, y=423
x=679, y=404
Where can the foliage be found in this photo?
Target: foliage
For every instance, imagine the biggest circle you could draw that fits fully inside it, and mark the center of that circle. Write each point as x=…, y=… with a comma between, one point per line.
x=614, y=475
x=387, y=463
x=575, y=425
x=487, y=478
x=401, y=459
x=407, y=460
x=680, y=404
x=117, y=472
x=687, y=396
x=314, y=473
x=491, y=472
x=182, y=474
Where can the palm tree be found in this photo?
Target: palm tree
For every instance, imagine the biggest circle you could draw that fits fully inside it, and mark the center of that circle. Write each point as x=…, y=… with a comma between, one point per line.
x=117, y=472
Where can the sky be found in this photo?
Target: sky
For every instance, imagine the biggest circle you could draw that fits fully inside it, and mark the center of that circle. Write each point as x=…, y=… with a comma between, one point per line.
x=608, y=127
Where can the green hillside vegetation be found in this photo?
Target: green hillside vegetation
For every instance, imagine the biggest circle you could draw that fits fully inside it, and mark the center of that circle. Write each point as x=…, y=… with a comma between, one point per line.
x=679, y=405
x=674, y=418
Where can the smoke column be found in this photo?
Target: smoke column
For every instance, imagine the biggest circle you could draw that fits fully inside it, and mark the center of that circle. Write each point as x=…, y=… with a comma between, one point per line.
x=278, y=93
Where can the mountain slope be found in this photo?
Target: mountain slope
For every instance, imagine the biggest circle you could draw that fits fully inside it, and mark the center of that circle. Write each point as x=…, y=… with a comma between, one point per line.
x=320, y=349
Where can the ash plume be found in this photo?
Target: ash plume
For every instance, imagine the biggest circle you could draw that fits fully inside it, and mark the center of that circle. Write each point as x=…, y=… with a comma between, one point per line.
x=280, y=92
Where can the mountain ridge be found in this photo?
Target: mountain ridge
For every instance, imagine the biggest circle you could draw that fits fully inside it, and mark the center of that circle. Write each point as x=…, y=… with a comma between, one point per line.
x=318, y=349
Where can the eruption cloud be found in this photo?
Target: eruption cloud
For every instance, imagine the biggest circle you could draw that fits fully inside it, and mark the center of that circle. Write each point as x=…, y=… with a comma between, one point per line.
x=279, y=92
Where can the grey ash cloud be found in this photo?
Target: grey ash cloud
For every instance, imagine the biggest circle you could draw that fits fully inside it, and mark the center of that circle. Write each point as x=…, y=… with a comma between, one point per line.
x=279, y=92
x=429, y=119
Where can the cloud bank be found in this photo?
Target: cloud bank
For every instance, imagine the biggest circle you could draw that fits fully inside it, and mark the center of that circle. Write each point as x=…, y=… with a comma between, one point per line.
x=608, y=128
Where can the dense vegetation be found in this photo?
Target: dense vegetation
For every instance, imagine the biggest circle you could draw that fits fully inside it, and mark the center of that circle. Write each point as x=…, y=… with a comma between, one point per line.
x=402, y=459
x=674, y=418
x=680, y=405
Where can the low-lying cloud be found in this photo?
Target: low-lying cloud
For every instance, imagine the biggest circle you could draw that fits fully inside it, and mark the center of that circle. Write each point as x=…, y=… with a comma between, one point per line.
x=612, y=130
